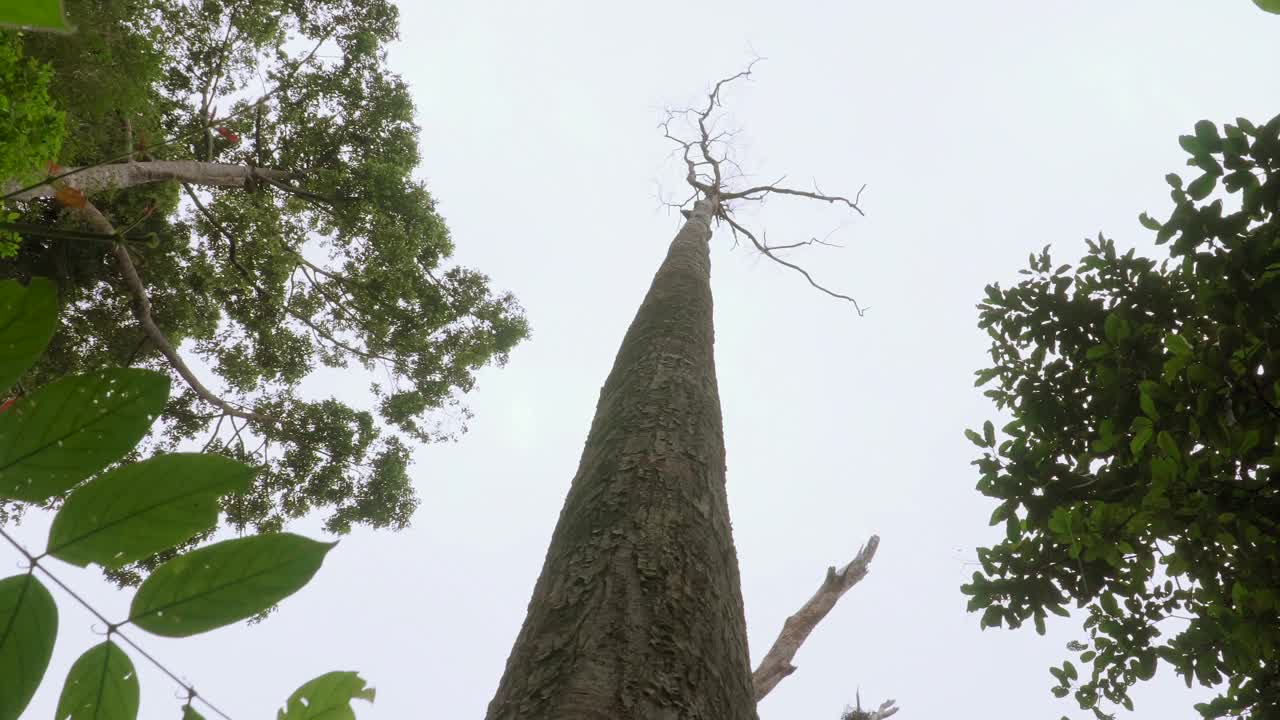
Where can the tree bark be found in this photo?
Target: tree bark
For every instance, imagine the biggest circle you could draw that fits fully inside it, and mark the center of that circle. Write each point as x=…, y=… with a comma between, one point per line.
x=122, y=175
x=638, y=610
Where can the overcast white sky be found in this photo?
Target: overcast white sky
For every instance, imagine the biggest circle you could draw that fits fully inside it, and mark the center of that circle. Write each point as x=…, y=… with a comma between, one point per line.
x=983, y=129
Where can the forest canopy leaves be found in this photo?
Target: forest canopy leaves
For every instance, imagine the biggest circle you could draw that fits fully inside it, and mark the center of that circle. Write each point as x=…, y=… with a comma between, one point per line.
x=34, y=14
x=1142, y=458
x=338, y=262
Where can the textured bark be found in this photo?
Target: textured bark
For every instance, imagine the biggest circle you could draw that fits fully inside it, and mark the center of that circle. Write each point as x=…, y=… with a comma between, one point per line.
x=122, y=175
x=638, y=611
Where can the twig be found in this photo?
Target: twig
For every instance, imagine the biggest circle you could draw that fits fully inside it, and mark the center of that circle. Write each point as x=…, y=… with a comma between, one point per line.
x=776, y=664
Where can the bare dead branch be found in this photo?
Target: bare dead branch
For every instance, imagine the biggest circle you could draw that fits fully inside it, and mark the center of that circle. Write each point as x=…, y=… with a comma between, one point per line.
x=704, y=173
x=739, y=229
x=776, y=664
x=142, y=312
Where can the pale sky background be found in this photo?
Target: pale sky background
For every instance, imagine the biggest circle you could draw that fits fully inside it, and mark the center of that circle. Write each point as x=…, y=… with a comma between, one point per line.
x=983, y=129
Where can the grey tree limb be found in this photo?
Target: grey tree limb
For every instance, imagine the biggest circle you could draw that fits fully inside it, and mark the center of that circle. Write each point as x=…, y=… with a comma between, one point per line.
x=776, y=664
x=142, y=312
x=116, y=176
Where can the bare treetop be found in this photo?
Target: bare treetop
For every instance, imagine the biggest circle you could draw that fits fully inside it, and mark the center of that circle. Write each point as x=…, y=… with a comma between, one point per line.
x=713, y=176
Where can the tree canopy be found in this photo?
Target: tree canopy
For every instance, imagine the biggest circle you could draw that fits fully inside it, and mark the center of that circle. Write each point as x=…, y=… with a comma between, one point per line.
x=1138, y=476
x=334, y=257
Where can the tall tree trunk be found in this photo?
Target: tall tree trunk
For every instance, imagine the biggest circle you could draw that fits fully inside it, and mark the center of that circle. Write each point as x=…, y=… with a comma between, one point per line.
x=638, y=611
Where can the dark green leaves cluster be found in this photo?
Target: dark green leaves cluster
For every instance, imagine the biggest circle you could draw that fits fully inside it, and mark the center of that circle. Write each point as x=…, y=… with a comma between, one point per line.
x=1138, y=478
x=61, y=438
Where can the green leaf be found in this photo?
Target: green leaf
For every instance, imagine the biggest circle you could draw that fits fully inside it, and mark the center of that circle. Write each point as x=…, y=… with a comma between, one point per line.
x=1039, y=620
x=1109, y=604
x=1143, y=431
x=1177, y=344
x=1097, y=352
x=1200, y=188
x=975, y=438
x=327, y=697
x=73, y=427
x=1146, y=666
x=1070, y=670
x=1271, y=6
x=189, y=713
x=28, y=627
x=139, y=509
x=991, y=618
x=28, y=319
x=1165, y=441
x=1148, y=222
x=102, y=685
x=34, y=15
x=989, y=433
x=1116, y=328
x=225, y=583
x=1148, y=406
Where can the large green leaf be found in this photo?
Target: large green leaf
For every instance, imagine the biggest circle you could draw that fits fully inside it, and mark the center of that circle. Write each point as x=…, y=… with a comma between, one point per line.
x=73, y=427
x=224, y=583
x=102, y=685
x=28, y=319
x=327, y=697
x=139, y=509
x=189, y=713
x=33, y=14
x=28, y=626
x=1271, y=6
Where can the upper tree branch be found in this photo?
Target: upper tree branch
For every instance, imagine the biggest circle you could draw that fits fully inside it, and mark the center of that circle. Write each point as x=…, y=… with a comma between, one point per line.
x=142, y=311
x=116, y=176
x=776, y=664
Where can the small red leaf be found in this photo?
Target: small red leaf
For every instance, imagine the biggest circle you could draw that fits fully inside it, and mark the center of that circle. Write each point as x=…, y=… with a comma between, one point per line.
x=228, y=135
x=5, y=405
x=70, y=197
x=54, y=168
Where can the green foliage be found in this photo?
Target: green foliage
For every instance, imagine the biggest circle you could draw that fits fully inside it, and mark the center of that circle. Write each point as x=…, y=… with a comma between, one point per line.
x=28, y=625
x=343, y=265
x=1271, y=6
x=224, y=583
x=31, y=128
x=102, y=685
x=140, y=509
x=27, y=323
x=71, y=429
x=34, y=14
x=327, y=697
x=1141, y=462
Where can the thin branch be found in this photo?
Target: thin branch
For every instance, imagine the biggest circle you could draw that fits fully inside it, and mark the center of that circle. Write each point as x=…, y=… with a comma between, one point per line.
x=142, y=312
x=776, y=664
x=217, y=226
x=737, y=228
